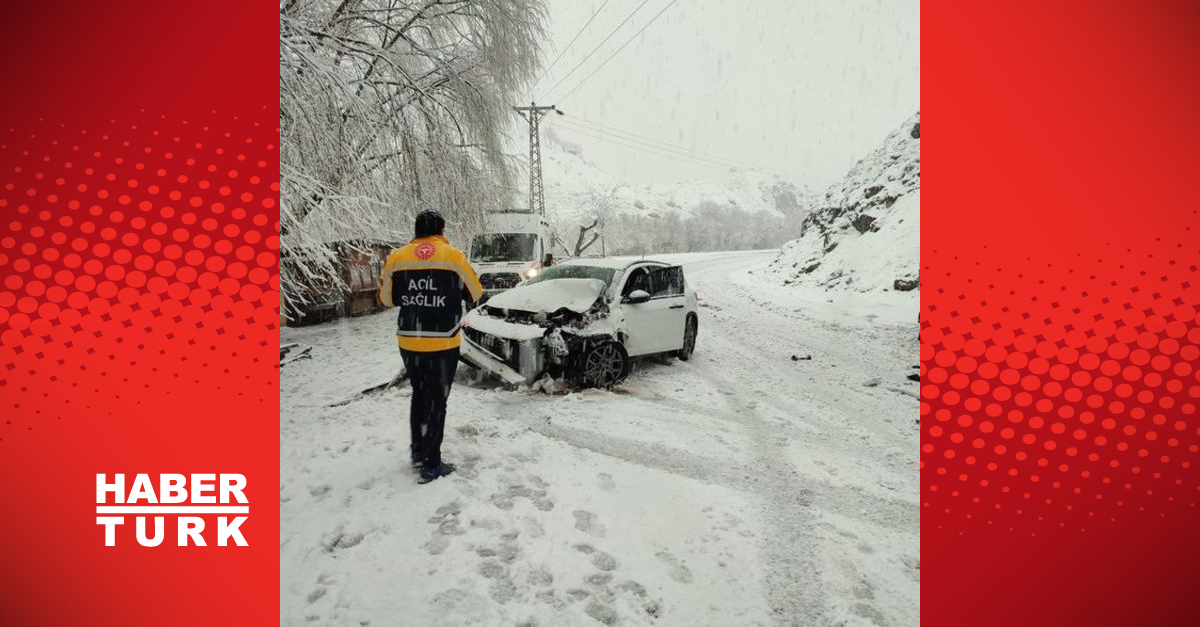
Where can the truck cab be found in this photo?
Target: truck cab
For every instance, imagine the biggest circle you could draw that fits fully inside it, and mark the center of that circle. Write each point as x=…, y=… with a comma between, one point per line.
x=515, y=247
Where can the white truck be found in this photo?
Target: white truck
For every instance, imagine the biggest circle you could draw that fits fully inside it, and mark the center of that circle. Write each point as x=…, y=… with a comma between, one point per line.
x=516, y=246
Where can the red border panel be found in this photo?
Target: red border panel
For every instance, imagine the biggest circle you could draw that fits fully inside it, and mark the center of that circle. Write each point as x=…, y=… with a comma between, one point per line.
x=1060, y=441
x=138, y=302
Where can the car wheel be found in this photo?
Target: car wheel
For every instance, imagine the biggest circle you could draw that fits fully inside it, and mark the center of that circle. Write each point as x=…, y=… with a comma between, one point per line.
x=603, y=365
x=689, y=340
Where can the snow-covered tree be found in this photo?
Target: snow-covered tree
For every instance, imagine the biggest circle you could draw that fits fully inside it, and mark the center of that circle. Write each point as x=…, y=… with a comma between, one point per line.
x=388, y=107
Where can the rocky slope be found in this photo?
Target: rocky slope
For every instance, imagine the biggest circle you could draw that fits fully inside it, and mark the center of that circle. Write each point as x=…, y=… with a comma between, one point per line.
x=865, y=233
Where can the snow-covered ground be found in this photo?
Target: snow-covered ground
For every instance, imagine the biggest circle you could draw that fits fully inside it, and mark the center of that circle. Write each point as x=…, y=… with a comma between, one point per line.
x=749, y=486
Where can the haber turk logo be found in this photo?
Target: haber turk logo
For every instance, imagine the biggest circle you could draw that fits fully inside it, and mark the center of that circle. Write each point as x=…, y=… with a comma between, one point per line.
x=186, y=499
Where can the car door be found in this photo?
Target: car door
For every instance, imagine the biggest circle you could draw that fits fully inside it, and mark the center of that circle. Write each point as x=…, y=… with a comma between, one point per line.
x=639, y=317
x=653, y=326
x=667, y=292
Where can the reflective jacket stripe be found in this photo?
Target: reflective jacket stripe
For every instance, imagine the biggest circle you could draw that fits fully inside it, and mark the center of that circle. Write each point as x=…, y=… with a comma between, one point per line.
x=449, y=333
x=428, y=344
x=467, y=275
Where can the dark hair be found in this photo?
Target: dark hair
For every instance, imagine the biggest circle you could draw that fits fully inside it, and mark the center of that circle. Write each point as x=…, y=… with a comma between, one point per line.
x=430, y=223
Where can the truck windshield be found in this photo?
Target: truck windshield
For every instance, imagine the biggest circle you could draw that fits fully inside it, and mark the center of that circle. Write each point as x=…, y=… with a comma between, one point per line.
x=491, y=247
x=572, y=271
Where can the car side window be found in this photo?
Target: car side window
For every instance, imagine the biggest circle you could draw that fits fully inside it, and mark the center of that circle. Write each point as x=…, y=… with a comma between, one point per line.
x=666, y=282
x=638, y=279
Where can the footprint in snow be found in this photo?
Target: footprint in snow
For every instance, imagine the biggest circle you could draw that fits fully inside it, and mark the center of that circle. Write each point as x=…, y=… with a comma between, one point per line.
x=338, y=539
x=532, y=527
x=437, y=545
x=598, y=579
x=491, y=569
x=589, y=523
x=677, y=570
x=601, y=611
x=540, y=577
x=502, y=590
x=604, y=561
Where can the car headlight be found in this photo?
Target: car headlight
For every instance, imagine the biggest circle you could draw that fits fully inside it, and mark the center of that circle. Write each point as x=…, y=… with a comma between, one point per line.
x=530, y=273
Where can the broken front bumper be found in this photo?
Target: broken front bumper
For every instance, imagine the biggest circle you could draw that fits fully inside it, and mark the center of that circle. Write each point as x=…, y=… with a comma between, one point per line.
x=515, y=361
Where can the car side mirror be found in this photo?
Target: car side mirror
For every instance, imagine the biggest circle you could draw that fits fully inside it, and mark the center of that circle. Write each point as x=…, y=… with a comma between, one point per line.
x=637, y=296
x=548, y=260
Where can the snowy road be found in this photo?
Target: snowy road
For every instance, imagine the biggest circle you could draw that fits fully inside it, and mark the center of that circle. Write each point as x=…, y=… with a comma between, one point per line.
x=744, y=487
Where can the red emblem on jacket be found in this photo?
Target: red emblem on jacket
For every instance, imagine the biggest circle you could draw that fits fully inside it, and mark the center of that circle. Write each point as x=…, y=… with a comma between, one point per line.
x=424, y=251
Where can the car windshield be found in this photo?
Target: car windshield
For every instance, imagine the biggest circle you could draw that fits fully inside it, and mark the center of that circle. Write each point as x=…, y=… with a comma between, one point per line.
x=572, y=271
x=491, y=247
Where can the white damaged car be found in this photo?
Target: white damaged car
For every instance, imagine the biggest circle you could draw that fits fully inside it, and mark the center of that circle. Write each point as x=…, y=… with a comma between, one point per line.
x=583, y=320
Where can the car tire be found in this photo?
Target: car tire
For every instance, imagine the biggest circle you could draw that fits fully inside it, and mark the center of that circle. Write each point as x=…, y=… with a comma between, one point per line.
x=603, y=364
x=690, y=330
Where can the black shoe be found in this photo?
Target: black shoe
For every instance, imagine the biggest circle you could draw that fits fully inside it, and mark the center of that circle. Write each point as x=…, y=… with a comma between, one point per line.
x=415, y=460
x=429, y=474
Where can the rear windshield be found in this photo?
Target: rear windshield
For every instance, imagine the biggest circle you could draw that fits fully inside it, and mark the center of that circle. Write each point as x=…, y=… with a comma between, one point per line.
x=572, y=271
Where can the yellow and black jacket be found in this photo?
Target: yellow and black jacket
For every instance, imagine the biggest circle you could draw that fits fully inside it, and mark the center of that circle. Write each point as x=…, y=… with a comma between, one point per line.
x=429, y=280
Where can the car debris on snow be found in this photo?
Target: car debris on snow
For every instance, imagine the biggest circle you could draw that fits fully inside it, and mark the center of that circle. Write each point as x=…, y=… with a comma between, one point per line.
x=293, y=352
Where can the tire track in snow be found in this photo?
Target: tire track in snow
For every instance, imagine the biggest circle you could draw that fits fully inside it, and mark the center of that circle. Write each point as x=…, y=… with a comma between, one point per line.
x=794, y=592
x=832, y=403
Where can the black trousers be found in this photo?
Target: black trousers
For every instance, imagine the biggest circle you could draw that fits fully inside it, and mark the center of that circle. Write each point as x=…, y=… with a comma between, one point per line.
x=430, y=375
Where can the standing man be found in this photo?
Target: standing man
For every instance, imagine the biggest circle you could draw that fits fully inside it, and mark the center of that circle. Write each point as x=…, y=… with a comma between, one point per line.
x=430, y=281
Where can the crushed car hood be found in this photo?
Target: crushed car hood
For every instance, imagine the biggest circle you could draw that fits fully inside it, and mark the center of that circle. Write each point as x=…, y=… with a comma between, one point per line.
x=549, y=296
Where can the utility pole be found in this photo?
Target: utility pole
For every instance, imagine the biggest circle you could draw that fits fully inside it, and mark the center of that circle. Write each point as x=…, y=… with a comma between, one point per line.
x=534, y=114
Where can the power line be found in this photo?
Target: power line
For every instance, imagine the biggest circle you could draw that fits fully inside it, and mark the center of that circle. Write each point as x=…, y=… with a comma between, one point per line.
x=598, y=46
x=604, y=128
x=573, y=39
x=647, y=148
x=627, y=42
x=649, y=142
x=638, y=144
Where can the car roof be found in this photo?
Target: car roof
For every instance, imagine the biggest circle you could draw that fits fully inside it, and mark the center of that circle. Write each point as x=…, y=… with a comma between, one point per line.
x=618, y=263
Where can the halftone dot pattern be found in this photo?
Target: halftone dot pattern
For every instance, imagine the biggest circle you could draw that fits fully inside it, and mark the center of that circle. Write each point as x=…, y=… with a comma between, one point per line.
x=127, y=271
x=1061, y=398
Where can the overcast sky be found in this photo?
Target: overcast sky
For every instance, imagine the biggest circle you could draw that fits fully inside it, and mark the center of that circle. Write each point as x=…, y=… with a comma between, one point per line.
x=798, y=87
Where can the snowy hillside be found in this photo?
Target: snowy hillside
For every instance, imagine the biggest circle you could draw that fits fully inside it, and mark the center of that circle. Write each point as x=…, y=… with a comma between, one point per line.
x=578, y=192
x=865, y=235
